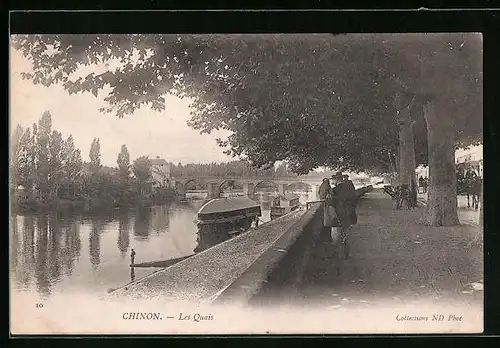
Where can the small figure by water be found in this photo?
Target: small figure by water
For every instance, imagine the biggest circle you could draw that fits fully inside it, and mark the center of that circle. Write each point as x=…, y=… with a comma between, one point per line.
x=132, y=257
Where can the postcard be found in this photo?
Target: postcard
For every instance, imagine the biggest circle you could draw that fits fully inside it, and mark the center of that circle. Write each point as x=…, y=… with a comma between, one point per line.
x=246, y=184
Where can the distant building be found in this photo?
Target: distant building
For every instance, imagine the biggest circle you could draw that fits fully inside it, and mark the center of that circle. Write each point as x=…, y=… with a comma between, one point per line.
x=160, y=173
x=473, y=157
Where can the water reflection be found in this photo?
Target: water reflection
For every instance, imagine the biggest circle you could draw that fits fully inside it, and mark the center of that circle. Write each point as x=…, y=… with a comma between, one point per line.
x=54, y=266
x=14, y=242
x=123, y=241
x=132, y=274
x=95, y=243
x=28, y=248
x=142, y=224
x=72, y=245
x=160, y=218
x=41, y=272
x=46, y=249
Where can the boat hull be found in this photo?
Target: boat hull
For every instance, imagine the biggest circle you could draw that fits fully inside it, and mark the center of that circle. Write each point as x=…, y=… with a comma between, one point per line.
x=276, y=212
x=222, y=219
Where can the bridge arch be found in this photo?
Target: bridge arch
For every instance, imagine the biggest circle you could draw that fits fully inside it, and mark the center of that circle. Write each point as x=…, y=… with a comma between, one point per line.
x=193, y=180
x=297, y=183
x=226, y=181
x=258, y=184
x=280, y=185
x=266, y=181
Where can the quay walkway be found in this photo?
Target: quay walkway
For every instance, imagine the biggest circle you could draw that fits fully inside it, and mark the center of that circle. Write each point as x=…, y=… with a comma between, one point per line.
x=394, y=258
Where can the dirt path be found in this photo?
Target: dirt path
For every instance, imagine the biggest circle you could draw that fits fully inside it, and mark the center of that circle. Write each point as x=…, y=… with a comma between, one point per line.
x=395, y=257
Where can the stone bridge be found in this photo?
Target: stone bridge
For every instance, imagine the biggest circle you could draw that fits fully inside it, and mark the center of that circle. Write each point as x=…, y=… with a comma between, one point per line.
x=214, y=184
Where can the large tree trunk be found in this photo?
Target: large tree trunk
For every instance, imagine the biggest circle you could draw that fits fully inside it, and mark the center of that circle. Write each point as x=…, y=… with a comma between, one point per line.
x=407, y=162
x=398, y=163
x=442, y=195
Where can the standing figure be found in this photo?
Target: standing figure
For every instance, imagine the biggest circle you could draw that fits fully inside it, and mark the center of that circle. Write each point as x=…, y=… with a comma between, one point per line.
x=329, y=216
x=426, y=184
x=421, y=183
x=324, y=189
x=352, y=199
x=470, y=184
x=342, y=197
x=132, y=257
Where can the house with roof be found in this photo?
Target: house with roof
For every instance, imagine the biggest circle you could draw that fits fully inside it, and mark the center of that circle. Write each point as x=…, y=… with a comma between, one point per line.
x=160, y=173
x=472, y=156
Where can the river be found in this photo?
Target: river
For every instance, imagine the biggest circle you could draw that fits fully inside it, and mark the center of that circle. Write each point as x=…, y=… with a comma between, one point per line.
x=51, y=253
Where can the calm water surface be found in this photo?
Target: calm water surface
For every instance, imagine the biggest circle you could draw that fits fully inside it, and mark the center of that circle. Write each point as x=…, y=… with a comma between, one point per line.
x=53, y=253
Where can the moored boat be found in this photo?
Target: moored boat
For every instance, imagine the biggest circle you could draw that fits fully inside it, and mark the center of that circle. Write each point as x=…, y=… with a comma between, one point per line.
x=222, y=218
x=284, y=204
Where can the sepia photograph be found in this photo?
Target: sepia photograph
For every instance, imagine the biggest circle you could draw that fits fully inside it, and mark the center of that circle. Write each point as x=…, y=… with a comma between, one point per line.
x=246, y=183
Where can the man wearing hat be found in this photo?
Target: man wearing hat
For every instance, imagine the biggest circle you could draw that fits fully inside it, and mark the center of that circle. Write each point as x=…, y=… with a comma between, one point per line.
x=324, y=188
x=343, y=195
x=353, y=200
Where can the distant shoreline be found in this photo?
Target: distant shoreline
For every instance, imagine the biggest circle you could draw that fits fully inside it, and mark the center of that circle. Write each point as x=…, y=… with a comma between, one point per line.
x=80, y=207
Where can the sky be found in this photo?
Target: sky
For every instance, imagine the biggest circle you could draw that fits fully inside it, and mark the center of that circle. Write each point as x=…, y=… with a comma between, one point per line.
x=146, y=132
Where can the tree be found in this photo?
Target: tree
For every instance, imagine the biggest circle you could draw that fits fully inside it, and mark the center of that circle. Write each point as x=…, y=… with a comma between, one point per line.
x=313, y=100
x=72, y=167
x=42, y=164
x=447, y=80
x=15, y=151
x=407, y=162
x=123, y=162
x=95, y=157
x=56, y=173
x=142, y=171
x=27, y=159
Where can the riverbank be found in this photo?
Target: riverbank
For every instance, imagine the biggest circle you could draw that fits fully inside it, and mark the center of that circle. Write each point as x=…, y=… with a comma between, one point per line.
x=90, y=206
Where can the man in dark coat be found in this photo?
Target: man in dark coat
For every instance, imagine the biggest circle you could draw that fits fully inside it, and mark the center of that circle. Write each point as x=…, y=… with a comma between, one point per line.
x=324, y=189
x=329, y=216
x=343, y=194
x=353, y=199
